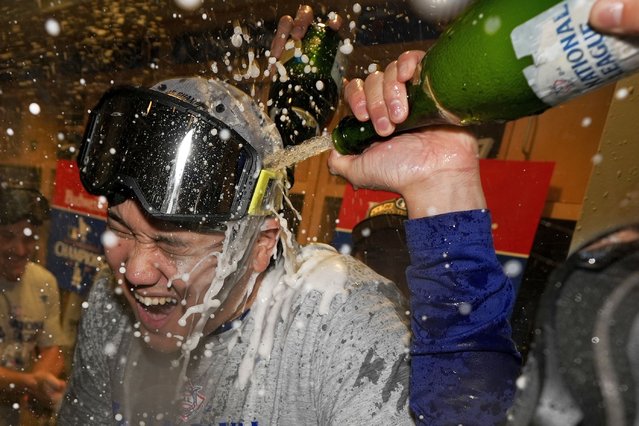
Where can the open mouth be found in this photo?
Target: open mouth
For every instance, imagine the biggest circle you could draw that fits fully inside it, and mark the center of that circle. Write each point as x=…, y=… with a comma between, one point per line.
x=150, y=302
x=154, y=311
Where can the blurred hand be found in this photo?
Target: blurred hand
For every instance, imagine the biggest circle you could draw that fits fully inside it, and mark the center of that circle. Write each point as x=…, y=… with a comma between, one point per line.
x=47, y=389
x=435, y=169
x=295, y=28
x=616, y=16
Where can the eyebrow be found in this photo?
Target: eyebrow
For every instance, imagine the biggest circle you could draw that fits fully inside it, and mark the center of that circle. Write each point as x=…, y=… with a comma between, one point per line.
x=163, y=238
x=170, y=240
x=113, y=216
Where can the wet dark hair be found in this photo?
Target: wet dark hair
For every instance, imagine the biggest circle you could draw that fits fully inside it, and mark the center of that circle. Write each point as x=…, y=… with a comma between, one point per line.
x=18, y=204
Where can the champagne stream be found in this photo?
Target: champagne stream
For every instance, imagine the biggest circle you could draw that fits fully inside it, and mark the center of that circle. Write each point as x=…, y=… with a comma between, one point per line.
x=297, y=153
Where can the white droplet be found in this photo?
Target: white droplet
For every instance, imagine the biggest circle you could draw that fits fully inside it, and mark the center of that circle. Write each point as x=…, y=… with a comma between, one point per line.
x=597, y=159
x=492, y=25
x=27, y=232
x=122, y=270
x=595, y=340
x=372, y=68
x=319, y=85
x=34, y=108
x=366, y=232
x=236, y=40
x=622, y=93
x=16, y=406
x=225, y=134
x=347, y=47
x=345, y=249
x=522, y=382
x=118, y=417
x=85, y=305
x=586, y=122
x=102, y=202
x=109, y=239
x=10, y=131
x=188, y=4
x=357, y=8
x=110, y=349
x=513, y=268
x=465, y=308
x=52, y=27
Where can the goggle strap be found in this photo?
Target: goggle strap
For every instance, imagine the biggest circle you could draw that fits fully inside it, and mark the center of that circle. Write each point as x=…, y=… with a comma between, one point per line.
x=265, y=187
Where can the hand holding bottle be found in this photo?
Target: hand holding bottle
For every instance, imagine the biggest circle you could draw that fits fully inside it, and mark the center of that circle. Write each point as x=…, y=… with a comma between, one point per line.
x=435, y=169
x=616, y=16
x=384, y=94
x=295, y=28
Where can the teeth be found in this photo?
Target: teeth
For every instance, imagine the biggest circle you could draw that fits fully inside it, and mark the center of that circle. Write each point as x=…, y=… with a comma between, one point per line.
x=152, y=301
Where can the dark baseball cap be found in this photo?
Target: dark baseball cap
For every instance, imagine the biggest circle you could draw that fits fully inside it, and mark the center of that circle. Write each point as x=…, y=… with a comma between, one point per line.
x=17, y=204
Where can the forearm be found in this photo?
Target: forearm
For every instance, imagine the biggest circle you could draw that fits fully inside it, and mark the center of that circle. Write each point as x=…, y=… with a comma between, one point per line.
x=464, y=363
x=50, y=360
x=14, y=384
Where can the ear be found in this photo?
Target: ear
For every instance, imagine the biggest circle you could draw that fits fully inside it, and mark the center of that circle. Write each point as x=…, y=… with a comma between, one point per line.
x=265, y=244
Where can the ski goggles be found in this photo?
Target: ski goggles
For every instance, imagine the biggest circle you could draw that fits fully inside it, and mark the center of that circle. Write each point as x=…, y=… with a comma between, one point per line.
x=181, y=164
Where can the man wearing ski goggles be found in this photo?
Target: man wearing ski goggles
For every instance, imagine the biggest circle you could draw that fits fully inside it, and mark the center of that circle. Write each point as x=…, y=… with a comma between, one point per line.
x=316, y=338
x=181, y=164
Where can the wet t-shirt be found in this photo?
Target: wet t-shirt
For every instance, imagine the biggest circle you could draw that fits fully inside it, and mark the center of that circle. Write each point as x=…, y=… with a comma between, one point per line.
x=327, y=352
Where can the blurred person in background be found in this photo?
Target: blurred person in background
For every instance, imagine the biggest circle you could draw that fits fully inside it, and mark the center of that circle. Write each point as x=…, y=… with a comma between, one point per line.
x=30, y=331
x=379, y=240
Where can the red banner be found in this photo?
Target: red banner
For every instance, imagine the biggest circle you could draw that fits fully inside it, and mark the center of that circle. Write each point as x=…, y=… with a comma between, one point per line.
x=71, y=195
x=515, y=192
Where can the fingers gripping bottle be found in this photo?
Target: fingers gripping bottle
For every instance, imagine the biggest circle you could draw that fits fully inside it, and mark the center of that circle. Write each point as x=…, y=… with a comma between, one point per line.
x=502, y=60
x=303, y=99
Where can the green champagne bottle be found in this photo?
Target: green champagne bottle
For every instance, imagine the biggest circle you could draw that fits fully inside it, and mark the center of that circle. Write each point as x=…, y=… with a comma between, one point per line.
x=304, y=99
x=502, y=60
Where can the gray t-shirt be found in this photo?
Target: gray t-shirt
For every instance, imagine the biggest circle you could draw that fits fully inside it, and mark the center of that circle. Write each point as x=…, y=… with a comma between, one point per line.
x=324, y=354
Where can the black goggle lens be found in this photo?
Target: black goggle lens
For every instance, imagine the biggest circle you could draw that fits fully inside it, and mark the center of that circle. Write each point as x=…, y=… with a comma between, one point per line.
x=179, y=163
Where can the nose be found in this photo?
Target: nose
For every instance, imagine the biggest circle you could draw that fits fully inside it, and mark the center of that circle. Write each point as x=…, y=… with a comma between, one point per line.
x=143, y=265
x=21, y=247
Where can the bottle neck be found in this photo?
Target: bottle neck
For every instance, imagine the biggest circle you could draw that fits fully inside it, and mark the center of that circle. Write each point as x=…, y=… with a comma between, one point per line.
x=320, y=47
x=423, y=104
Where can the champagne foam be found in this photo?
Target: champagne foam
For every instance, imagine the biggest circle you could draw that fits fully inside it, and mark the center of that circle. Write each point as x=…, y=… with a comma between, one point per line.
x=297, y=153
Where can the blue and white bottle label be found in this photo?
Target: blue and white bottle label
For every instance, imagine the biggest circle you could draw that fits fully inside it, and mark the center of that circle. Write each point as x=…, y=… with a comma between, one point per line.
x=570, y=58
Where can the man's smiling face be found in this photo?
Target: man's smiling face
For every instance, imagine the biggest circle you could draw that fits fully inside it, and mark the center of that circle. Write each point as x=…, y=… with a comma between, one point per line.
x=162, y=272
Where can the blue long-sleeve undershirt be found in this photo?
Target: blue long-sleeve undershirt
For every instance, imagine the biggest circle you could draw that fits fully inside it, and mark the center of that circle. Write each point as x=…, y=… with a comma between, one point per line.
x=464, y=363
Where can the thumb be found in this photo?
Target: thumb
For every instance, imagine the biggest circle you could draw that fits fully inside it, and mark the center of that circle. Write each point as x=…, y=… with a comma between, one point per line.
x=54, y=383
x=616, y=16
x=339, y=164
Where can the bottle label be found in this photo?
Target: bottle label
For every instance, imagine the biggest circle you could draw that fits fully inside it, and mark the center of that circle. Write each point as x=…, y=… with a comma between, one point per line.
x=570, y=58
